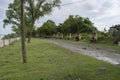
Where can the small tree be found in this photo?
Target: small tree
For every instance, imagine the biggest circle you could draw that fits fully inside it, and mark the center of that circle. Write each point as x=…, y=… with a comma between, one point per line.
x=37, y=9
x=33, y=10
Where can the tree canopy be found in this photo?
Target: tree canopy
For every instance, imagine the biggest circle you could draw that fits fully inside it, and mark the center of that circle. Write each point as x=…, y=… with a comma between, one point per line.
x=73, y=24
x=77, y=24
x=47, y=28
x=33, y=10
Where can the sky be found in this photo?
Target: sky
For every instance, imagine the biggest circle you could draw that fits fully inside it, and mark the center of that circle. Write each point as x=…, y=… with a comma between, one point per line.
x=103, y=13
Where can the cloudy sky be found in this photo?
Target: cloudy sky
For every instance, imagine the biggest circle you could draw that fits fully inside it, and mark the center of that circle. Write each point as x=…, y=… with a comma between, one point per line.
x=103, y=13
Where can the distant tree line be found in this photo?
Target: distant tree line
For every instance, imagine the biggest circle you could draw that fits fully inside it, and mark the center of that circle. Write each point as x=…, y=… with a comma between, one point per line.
x=74, y=24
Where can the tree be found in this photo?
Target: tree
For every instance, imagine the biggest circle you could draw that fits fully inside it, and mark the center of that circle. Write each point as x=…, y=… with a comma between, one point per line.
x=47, y=29
x=77, y=24
x=13, y=16
x=22, y=33
x=37, y=9
x=34, y=9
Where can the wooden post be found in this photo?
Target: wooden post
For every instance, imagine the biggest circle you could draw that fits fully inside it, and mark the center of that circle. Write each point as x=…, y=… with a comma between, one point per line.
x=62, y=36
x=9, y=41
x=96, y=36
x=3, y=43
x=70, y=36
x=79, y=35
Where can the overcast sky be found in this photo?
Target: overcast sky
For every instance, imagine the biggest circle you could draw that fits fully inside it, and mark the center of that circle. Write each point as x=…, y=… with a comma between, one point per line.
x=103, y=13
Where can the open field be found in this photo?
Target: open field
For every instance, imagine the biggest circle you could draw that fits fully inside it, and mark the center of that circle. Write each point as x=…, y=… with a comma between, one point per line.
x=47, y=61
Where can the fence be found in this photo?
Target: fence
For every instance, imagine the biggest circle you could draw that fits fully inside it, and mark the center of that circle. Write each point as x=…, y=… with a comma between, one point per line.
x=6, y=42
x=118, y=43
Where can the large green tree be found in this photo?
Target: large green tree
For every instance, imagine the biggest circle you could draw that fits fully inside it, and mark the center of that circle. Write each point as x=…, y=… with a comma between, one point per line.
x=25, y=15
x=37, y=9
x=47, y=29
x=34, y=9
x=77, y=24
x=13, y=16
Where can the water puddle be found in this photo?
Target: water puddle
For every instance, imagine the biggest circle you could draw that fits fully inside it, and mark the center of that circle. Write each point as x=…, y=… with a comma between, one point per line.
x=108, y=60
x=98, y=54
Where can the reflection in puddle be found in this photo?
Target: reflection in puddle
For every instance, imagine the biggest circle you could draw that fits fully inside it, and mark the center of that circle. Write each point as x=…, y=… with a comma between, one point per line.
x=96, y=53
x=108, y=60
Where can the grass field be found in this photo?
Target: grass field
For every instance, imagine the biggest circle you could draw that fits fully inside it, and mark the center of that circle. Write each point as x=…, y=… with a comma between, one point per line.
x=50, y=62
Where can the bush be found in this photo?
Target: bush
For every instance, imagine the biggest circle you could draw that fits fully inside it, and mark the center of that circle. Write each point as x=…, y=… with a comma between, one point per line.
x=13, y=35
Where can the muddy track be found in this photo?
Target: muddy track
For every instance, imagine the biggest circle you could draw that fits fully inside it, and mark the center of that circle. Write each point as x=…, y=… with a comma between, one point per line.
x=98, y=53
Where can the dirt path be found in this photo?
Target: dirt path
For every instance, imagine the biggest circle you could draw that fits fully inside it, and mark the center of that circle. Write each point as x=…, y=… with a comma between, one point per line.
x=97, y=53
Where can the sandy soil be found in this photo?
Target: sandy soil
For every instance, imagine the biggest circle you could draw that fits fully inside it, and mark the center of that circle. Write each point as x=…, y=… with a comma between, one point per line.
x=96, y=52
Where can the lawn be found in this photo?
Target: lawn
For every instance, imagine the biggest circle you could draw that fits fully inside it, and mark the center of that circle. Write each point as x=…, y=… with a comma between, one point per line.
x=50, y=62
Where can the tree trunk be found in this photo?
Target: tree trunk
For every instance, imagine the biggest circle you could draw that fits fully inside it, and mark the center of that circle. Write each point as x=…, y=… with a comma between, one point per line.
x=22, y=33
x=30, y=32
x=29, y=37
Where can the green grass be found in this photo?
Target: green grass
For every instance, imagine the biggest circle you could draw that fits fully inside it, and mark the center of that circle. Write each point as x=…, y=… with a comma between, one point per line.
x=50, y=62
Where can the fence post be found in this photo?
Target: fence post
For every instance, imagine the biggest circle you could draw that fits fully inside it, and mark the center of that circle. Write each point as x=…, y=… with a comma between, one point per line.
x=118, y=43
x=3, y=43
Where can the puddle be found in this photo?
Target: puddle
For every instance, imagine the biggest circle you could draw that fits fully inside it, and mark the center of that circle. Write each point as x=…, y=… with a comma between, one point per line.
x=108, y=60
x=98, y=54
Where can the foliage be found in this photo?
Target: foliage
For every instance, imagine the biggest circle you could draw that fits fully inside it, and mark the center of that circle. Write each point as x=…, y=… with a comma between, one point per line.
x=13, y=35
x=77, y=24
x=34, y=9
x=74, y=25
x=103, y=36
x=34, y=33
x=47, y=29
